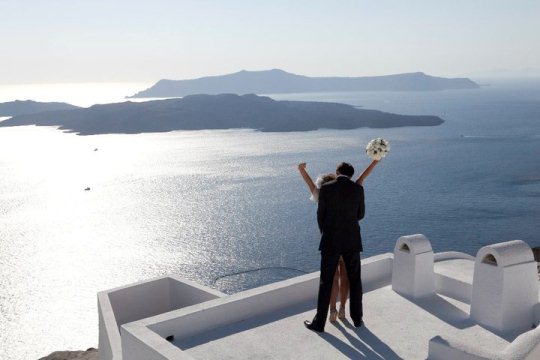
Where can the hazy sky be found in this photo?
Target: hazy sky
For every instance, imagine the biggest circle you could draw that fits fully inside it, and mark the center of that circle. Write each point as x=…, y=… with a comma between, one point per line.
x=108, y=40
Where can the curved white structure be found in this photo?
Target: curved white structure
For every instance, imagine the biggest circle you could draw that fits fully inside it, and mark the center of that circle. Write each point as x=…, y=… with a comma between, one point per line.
x=417, y=305
x=141, y=300
x=505, y=287
x=412, y=273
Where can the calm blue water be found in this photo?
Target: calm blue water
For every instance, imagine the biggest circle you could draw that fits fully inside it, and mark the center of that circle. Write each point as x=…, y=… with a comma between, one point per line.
x=208, y=204
x=472, y=181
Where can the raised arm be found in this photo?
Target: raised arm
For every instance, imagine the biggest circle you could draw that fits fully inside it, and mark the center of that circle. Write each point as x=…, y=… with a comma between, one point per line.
x=366, y=172
x=307, y=178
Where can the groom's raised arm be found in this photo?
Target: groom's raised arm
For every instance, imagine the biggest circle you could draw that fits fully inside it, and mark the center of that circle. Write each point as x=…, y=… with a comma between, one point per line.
x=321, y=208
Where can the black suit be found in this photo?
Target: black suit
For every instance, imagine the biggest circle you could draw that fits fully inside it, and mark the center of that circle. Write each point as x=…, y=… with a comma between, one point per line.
x=341, y=206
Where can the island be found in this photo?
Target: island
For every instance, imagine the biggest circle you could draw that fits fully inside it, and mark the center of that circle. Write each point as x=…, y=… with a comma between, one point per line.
x=278, y=82
x=22, y=107
x=224, y=111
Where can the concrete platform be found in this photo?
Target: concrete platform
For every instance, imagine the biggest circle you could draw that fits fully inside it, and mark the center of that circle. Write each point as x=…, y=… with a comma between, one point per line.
x=395, y=328
x=267, y=322
x=458, y=269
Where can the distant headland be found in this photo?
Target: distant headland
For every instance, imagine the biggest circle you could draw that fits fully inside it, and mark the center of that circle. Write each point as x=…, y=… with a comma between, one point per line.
x=22, y=107
x=224, y=111
x=278, y=82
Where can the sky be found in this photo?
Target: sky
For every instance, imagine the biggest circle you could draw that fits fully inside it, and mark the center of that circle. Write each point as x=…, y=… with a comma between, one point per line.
x=57, y=41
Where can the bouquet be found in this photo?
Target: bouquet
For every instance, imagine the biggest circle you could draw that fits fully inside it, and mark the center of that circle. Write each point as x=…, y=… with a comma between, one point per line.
x=377, y=148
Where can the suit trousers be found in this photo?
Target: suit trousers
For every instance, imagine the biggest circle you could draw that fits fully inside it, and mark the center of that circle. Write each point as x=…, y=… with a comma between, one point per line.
x=329, y=263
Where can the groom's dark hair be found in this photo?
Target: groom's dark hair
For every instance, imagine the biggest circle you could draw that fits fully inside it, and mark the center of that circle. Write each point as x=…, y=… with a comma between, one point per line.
x=345, y=169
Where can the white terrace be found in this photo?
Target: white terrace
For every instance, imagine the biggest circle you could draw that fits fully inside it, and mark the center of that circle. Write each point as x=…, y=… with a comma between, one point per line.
x=417, y=305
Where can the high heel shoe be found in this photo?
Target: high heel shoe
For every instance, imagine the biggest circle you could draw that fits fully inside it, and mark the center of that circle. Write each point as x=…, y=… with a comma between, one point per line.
x=333, y=314
x=341, y=314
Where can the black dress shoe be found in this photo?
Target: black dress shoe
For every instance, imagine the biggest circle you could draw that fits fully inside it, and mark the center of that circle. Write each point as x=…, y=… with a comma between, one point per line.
x=358, y=324
x=312, y=327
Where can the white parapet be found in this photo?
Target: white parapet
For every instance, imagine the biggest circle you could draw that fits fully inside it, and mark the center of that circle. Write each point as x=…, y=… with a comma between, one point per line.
x=141, y=300
x=505, y=286
x=444, y=349
x=412, y=272
x=145, y=339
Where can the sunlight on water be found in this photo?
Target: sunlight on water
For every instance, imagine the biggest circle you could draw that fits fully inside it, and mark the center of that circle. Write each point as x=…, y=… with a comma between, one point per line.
x=83, y=214
x=80, y=94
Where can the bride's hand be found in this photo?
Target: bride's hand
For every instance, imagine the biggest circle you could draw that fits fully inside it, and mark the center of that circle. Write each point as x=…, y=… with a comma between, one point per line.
x=302, y=166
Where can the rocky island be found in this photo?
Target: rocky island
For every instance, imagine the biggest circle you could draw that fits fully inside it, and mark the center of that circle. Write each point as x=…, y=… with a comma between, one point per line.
x=279, y=82
x=22, y=107
x=225, y=111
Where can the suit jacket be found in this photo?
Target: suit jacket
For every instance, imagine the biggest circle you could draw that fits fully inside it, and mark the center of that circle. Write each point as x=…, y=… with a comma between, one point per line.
x=341, y=206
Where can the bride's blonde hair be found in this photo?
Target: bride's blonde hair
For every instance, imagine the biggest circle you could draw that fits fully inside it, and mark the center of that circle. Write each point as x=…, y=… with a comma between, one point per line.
x=324, y=178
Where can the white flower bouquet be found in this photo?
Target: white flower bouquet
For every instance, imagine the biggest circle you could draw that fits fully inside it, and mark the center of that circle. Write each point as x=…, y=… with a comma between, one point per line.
x=377, y=148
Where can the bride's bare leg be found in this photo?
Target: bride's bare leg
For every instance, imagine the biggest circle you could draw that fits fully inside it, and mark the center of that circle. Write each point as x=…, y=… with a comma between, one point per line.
x=343, y=288
x=334, y=295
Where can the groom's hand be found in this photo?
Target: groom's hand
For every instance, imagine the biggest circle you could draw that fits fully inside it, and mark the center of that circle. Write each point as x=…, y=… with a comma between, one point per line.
x=302, y=166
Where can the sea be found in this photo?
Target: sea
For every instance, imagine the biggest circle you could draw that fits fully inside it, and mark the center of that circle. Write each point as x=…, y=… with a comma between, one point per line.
x=228, y=208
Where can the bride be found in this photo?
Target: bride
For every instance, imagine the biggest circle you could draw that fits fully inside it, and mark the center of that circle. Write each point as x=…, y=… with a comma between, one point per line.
x=341, y=282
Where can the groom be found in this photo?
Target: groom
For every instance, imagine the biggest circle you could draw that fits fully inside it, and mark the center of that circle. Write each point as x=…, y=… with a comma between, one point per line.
x=341, y=206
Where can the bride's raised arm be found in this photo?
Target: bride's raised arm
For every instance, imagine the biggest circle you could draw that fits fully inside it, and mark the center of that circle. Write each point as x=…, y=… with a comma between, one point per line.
x=366, y=172
x=307, y=178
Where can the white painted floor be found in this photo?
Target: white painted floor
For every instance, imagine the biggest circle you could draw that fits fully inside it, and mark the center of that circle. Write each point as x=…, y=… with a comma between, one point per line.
x=395, y=328
x=459, y=269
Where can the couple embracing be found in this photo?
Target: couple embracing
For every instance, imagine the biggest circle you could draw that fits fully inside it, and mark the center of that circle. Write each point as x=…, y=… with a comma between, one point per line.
x=340, y=207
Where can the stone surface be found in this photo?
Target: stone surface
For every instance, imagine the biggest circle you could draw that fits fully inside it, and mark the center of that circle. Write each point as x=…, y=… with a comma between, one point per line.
x=89, y=354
